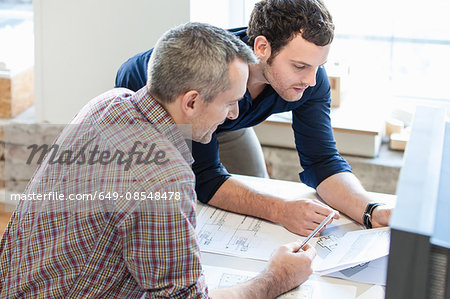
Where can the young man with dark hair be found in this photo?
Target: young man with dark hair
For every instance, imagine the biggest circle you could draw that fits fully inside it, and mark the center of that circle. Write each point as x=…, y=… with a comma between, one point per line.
x=292, y=40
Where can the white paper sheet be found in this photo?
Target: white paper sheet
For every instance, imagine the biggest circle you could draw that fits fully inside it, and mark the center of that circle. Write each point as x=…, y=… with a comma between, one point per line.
x=219, y=277
x=313, y=289
x=354, y=248
x=373, y=272
x=237, y=235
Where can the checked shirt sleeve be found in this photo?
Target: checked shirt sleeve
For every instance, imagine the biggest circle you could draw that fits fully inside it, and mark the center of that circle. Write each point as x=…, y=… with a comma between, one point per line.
x=160, y=247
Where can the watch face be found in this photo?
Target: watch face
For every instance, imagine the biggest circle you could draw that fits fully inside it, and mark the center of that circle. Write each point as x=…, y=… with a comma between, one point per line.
x=368, y=215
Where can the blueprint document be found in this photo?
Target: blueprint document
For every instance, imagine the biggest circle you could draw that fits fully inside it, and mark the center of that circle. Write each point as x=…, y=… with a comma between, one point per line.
x=237, y=235
x=342, y=245
x=352, y=249
x=219, y=277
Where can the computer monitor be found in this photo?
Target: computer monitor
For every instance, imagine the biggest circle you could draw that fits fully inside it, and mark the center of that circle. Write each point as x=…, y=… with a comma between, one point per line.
x=419, y=256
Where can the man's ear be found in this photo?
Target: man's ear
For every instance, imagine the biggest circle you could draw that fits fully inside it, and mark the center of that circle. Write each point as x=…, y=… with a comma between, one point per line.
x=191, y=103
x=262, y=48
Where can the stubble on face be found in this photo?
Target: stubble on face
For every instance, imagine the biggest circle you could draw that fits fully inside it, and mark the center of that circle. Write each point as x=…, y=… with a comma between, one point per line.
x=207, y=136
x=273, y=78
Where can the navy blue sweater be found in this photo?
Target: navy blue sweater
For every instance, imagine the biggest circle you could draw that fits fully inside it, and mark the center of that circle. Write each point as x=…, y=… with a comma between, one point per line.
x=311, y=124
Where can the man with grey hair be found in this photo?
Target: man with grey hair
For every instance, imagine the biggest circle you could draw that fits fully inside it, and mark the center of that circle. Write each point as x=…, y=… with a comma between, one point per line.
x=135, y=236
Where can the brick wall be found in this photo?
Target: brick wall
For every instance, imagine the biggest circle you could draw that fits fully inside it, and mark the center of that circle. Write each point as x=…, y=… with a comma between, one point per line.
x=15, y=139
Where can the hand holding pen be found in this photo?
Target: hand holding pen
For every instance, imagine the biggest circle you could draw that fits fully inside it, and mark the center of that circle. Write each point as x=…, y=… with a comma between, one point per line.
x=317, y=229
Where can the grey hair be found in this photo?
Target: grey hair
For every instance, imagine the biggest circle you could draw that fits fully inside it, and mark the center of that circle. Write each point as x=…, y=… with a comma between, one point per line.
x=194, y=56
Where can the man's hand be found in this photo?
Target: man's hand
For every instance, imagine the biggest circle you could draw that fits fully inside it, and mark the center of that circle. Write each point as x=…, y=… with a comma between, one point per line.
x=288, y=268
x=381, y=216
x=302, y=216
x=344, y=192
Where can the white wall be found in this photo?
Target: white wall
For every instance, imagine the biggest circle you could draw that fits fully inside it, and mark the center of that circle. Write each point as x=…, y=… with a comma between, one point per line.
x=79, y=45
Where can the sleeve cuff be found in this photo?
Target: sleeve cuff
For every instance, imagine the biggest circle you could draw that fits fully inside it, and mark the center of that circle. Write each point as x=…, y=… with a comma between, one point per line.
x=314, y=175
x=208, y=183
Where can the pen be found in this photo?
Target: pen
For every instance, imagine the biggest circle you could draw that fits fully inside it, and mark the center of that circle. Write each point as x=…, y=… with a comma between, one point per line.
x=319, y=227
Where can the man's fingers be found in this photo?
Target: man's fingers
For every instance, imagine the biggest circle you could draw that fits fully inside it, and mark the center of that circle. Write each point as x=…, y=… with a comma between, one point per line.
x=324, y=205
x=316, y=219
x=336, y=215
x=322, y=209
x=319, y=202
x=325, y=210
x=309, y=251
x=293, y=246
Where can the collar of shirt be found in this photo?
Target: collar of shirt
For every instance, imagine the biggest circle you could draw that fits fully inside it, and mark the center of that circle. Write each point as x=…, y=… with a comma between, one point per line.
x=162, y=121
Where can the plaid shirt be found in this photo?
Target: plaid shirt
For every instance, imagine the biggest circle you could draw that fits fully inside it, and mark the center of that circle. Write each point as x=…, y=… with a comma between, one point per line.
x=129, y=238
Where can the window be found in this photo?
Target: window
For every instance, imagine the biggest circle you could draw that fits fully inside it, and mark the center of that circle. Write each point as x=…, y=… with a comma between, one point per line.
x=16, y=35
x=402, y=45
x=395, y=49
x=220, y=13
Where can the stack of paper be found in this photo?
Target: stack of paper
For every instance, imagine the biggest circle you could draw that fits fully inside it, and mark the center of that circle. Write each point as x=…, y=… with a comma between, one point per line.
x=354, y=248
x=339, y=247
x=373, y=272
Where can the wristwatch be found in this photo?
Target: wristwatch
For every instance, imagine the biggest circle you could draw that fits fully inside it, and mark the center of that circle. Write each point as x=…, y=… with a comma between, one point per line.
x=367, y=216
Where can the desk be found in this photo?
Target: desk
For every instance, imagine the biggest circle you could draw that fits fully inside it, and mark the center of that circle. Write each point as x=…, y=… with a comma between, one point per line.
x=290, y=190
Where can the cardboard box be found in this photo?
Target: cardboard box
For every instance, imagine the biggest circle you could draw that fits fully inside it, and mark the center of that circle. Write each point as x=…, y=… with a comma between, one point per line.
x=353, y=136
x=337, y=75
x=16, y=92
x=336, y=94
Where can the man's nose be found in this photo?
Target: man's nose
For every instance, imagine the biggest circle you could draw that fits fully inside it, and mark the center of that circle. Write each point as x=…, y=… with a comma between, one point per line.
x=310, y=78
x=233, y=113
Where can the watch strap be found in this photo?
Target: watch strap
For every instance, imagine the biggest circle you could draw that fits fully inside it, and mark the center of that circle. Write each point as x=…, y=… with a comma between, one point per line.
x=367, y=216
